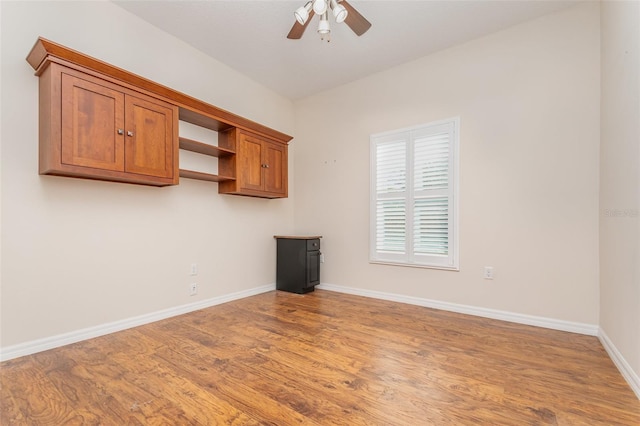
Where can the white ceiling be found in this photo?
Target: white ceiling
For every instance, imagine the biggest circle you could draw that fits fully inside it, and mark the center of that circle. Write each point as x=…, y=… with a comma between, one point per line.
x=250, y=36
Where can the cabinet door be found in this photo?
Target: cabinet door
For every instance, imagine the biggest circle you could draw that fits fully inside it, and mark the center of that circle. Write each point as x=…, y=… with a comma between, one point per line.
x=259, y=165
x=250, y=162
x=149, y=145
x=92, y=115
x=275, y=172
x=313, y=268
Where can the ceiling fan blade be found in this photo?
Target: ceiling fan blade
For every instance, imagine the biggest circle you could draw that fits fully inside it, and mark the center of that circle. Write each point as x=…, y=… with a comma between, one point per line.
x=298, y=29
x=354, y=20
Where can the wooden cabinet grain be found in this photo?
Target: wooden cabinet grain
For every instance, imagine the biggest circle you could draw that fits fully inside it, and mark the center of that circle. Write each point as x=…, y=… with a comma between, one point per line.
x=99, y=121
x=259, y=165
x=95, y=129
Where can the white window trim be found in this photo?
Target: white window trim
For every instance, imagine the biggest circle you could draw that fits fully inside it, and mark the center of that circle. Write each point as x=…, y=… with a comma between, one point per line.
x=452, y=262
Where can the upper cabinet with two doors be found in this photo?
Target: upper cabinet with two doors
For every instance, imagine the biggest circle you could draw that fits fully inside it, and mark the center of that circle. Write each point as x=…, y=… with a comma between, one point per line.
x=260, y=165
x=95, y=129
x=98, y=121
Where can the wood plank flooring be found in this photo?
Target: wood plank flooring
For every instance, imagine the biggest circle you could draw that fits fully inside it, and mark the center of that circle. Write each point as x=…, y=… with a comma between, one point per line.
x=320, y=359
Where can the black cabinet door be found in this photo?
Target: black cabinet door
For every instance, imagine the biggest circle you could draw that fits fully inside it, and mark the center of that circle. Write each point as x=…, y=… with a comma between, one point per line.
x=313, y=268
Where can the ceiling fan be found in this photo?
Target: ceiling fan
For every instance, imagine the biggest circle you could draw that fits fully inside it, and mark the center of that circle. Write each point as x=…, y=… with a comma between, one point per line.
x=342, y=12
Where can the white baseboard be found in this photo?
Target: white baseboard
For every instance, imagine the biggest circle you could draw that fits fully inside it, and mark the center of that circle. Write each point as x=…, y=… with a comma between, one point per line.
x=574, y=327
x=625, y=369
x=47, y=343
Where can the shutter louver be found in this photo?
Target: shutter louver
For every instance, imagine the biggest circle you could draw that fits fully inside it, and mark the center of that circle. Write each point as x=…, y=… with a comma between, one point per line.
x=431, y=226
x=391, y=181
x=430, y=207
x=431, y=162
x=392, y=164
x=391, y=226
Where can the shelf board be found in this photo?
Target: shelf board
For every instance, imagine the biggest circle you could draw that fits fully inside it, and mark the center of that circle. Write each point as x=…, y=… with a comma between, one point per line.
x=191, y=174
x=203, y=148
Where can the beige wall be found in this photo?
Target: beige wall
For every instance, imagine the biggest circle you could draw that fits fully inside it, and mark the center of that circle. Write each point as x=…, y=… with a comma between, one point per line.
x=79, y=253
x=528, y=102
x=620, y=180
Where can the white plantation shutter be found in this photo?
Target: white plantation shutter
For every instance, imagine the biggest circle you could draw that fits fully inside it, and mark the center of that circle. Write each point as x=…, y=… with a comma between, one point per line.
x=391, y=234
x=431, y=226
x=413, y=189
x=431, y=161
x=391, y=190
x=391, y=170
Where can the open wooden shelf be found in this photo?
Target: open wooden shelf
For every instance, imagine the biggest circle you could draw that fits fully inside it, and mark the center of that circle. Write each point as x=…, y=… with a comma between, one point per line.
x=206, y=149
x=203, y=148
x=191, y=174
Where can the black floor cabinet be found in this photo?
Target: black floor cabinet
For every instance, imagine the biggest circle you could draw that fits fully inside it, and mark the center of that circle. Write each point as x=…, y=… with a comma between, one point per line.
x=298, y=268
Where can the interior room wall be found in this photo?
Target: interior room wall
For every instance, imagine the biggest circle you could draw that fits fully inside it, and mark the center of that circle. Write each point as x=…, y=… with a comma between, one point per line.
x=77, y=253
x=620, y=181
x=528, y=99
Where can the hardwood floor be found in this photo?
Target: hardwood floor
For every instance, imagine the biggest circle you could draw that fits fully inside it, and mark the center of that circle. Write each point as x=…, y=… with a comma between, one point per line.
x=320, y=359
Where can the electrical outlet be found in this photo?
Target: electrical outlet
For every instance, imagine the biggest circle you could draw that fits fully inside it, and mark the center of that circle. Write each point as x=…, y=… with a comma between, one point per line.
x=488, y=273
x=322, y=258
x=194, y=269
x=193, y=289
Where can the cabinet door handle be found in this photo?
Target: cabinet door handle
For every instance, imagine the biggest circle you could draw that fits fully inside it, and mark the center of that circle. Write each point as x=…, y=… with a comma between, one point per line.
x=129, y=133
x=120, y=132
x=266, y=166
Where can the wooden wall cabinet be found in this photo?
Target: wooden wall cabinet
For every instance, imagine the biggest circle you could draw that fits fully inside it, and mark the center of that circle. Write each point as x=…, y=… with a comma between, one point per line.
x=260, y=165
x=95, y=129
x=99, y=121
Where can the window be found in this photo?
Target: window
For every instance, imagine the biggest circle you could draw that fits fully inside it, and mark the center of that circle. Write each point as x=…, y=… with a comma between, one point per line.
x=414, y=190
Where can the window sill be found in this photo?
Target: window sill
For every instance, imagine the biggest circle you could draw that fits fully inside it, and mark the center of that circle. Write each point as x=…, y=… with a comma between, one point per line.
x=416, y=265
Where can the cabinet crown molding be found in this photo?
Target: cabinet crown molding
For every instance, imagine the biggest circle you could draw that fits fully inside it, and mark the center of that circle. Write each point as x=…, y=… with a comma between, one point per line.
x=191, y=110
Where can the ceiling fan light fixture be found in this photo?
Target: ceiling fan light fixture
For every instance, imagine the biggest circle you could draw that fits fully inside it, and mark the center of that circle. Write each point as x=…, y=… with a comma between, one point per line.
x=302, y=13
x=323, y=26
x=339, y=11
x=319, y=6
